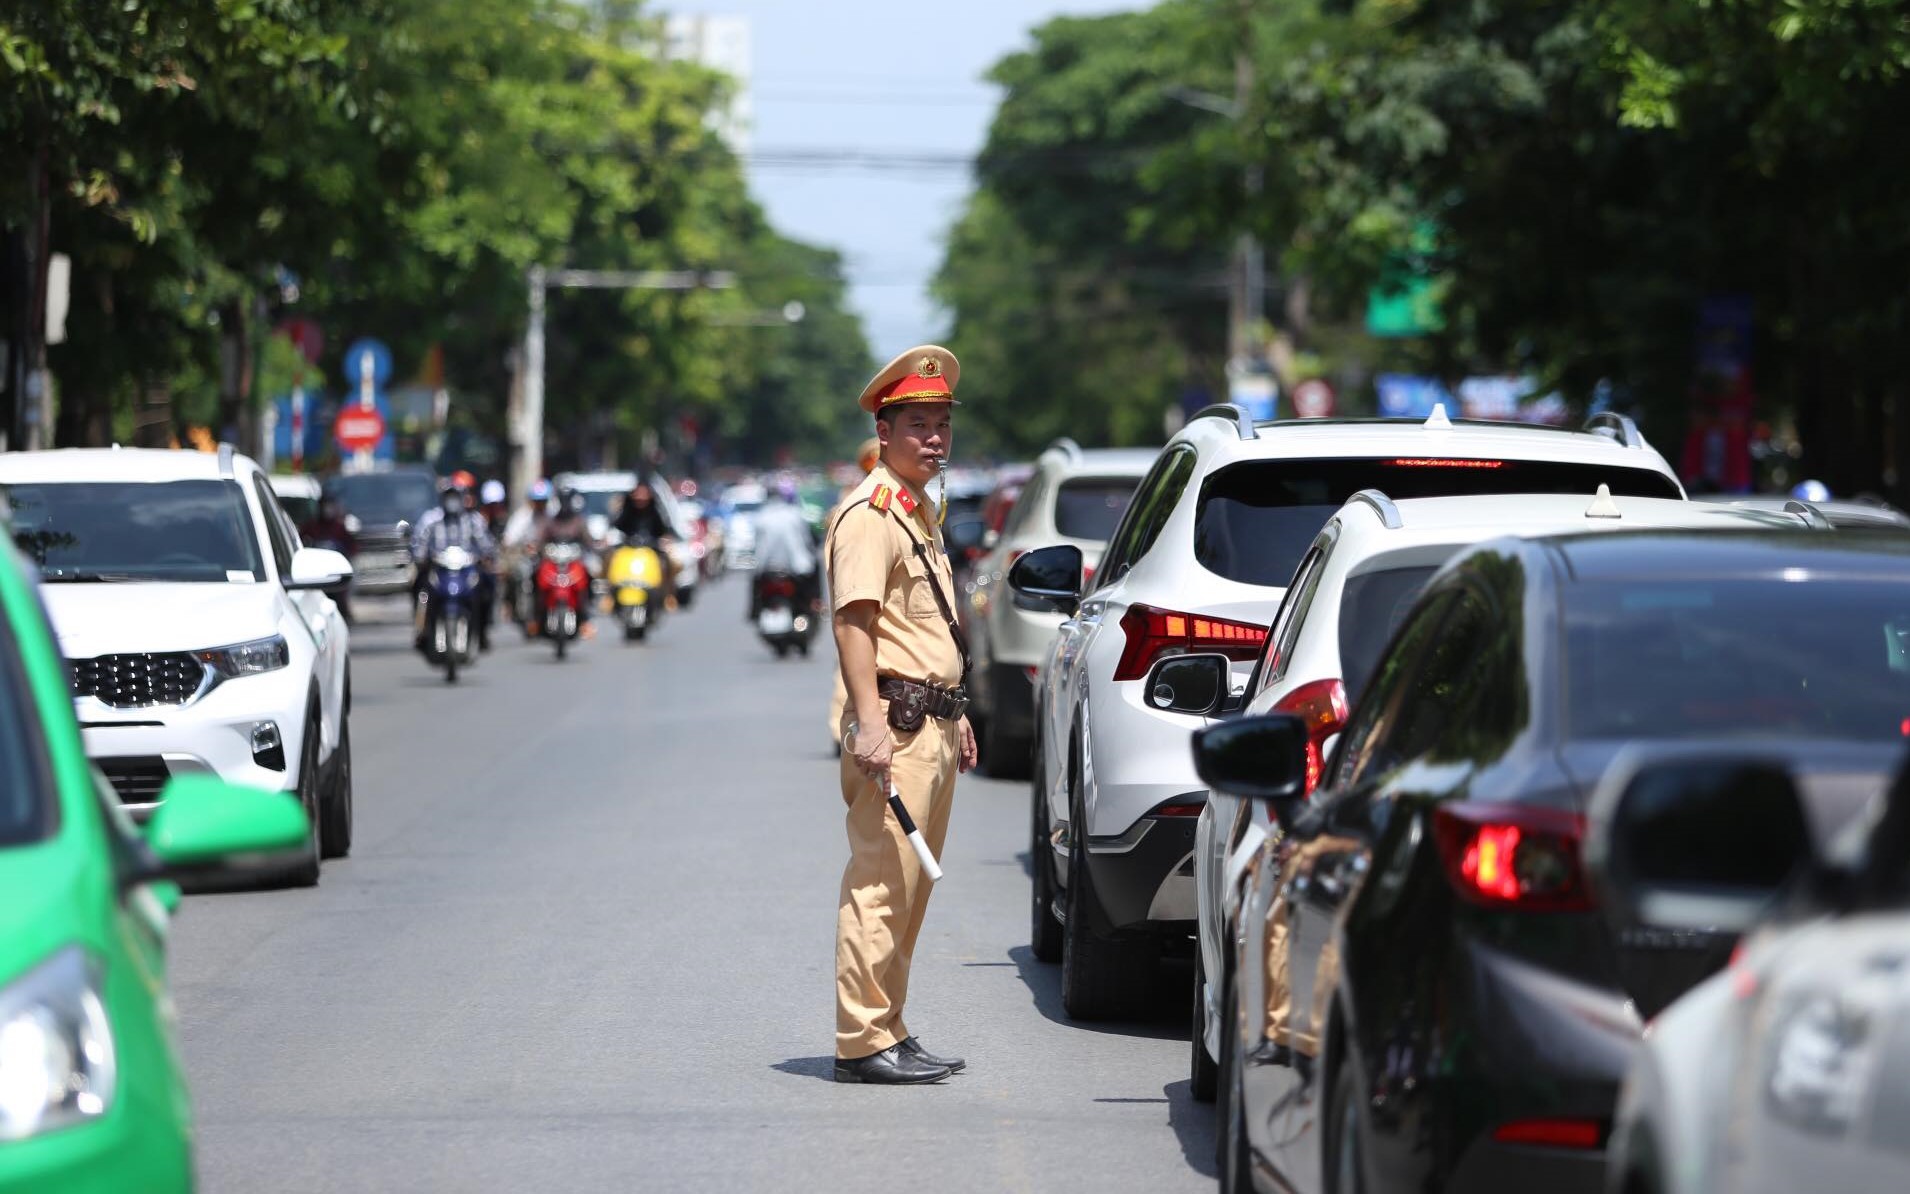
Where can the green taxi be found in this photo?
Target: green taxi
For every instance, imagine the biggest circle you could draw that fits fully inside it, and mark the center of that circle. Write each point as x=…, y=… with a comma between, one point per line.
x=92, y=1097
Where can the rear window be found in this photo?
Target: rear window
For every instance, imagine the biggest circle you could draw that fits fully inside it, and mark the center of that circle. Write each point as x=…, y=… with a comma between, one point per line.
x=1091, y=507
x=1747, y=658
x=1371, y=608
x=1256, y=518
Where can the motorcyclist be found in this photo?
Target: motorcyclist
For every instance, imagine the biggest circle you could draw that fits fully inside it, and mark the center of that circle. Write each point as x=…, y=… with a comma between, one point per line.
x=452, y=523
x=526, y=523
x=569, y=524
x=640, y=520
x=785, y=543
x=491, y=502
x=328, y=528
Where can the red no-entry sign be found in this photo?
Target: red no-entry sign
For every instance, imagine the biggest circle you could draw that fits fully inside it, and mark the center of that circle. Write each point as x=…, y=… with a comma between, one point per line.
x=359, y=428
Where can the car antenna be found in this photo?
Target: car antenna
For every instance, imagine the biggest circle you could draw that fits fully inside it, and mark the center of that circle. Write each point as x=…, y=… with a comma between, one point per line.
x=1602, y=504
x=1437, y=421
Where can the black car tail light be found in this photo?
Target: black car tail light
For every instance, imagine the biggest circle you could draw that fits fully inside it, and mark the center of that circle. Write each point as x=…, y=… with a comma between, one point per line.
x=1513, y=856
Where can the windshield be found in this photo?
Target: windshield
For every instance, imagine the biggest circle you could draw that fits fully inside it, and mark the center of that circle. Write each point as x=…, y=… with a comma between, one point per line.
x=118, y=530
x=1371, y=607
x=1256, y=519
x=385, y=499
x=1752, y=658
x=599, y=501
x=1091, y=507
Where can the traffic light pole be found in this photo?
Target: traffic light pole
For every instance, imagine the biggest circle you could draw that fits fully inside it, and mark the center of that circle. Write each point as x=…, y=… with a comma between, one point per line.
x=526, y=414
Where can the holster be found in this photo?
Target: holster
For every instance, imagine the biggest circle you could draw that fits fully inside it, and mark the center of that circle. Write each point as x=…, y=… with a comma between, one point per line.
x=911, y=701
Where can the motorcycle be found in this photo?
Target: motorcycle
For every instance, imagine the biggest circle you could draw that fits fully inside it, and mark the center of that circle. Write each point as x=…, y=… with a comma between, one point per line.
x=450, y=607
x=635, y=573
x=783, y=619
x=563, y=585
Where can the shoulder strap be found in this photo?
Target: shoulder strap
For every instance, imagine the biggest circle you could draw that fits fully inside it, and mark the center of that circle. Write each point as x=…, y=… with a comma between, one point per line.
x=935, y=587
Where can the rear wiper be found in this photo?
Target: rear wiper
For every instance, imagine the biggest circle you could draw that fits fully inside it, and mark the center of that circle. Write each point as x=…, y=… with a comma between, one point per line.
x=74, y=575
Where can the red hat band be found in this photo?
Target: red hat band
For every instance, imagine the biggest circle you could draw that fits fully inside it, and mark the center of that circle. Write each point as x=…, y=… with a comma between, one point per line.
x=914, y=387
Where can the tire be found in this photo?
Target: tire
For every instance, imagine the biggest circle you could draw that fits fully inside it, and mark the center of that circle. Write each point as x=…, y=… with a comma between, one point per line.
x=563, y=644
x=1344, y=1165
x=1044, y=931
x=336, y=812
x=1203, y=1072
x=1236, y=1155
x=450, y=654
x=1003, y=755
x=1103, y=977
x=305, y=874
x=782, y=650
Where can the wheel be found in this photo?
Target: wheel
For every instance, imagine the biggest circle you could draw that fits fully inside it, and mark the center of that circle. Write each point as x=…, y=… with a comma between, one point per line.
x=1004, y=756
x=1044, y=931
x=1203, y=1072
x=337, y=810
x=684, y=597
x=633, y=634
x=1344, y=1164
x=563, y=644
x=451, y=661
x=782, y=650
x=1103, y=977
x=1236, y=1155
x=305, y=874
x=802, y=648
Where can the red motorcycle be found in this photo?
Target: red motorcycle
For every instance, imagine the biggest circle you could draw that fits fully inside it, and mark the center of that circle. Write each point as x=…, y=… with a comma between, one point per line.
x=563, y=585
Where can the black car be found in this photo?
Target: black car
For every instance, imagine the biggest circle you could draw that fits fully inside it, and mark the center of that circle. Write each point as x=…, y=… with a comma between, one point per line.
x=380, y=509
x=1431, y=1000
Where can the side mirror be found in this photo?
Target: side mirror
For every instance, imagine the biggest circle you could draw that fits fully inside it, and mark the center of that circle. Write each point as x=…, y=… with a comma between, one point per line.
x=1048, y=578
x=318, y=568
x=209, y=832
x=1195, y=684
x=1685, y=852
x=1261, y=757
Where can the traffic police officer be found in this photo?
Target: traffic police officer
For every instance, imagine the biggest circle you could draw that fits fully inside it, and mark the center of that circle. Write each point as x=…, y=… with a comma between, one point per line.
x=903, y=661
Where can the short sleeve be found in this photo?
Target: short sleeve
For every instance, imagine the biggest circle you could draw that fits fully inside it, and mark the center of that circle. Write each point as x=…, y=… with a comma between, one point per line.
x=860, y=557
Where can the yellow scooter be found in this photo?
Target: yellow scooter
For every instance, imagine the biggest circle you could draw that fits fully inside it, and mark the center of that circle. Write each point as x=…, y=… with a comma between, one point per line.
x=635, y=573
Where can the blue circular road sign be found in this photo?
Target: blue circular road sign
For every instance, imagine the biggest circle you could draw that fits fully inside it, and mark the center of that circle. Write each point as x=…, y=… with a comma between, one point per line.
x=364, y=352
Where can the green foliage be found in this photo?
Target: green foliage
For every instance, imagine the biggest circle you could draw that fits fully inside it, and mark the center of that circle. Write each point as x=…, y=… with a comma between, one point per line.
x=408, y=160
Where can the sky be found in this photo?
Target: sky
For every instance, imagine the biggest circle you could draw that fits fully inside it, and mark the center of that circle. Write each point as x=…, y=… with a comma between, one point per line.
x=876, y=78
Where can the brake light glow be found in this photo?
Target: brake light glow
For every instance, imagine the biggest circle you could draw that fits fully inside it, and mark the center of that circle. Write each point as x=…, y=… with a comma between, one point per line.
x=1514, y=857
x=1322, y=706
x=1152, y=633
x=1554, y=1133
x=1177, y=810
x=1415, y=462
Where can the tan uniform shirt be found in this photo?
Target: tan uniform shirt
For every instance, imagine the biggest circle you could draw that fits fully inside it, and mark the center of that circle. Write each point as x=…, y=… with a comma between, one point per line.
x=872, y=558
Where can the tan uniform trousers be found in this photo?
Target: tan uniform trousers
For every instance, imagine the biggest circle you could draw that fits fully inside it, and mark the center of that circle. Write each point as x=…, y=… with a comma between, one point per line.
x=884, y=892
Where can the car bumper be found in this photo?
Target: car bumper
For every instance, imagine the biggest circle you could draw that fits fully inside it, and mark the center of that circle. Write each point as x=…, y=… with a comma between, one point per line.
x=138, y=749
x=145, y=1149
x=1145, y=877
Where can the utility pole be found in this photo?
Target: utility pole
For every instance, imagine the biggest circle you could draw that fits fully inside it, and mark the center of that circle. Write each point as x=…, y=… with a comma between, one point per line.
x=525, y=414
x=1249, y=305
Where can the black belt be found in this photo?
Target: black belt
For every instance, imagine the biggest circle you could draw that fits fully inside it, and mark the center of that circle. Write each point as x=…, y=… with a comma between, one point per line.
x=943, y=704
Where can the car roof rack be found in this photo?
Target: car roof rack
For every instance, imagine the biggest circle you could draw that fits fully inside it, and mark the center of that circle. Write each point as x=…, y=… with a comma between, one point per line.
x=226, y=453
x=1813, y=518
x=1064, y=445
x=1382, y=505
x=1613, y=425
x=1234, y=413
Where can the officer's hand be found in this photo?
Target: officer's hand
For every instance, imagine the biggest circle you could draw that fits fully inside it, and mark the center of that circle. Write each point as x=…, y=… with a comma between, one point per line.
x=968, y=747
x=872, y=757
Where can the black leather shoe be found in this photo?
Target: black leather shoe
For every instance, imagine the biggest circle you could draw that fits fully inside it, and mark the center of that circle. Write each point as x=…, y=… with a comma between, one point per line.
x=914, y=1048
x=894, y=1066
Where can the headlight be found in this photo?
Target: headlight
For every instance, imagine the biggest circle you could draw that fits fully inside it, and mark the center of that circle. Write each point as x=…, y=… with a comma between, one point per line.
x=246, y=659
x=57, y=1065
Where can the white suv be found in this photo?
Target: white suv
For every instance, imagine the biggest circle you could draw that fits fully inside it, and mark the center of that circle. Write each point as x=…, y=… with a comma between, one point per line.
x=1076, y=497
x=1360, y=576
x=1199, y=565
x=195, y=625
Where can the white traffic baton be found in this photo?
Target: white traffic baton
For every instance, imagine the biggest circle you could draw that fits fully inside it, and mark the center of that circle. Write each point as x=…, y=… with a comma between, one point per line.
x=929, y=865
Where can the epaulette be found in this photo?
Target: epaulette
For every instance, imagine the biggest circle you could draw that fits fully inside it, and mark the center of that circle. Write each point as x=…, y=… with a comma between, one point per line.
x=905, y=501
x=880, y=498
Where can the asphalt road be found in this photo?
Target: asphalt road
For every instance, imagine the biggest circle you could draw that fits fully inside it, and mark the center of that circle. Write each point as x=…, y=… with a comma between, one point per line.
x=585, y=940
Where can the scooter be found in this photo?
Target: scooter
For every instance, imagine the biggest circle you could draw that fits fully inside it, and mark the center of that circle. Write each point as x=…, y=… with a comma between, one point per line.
x=450, y=605
x=783, y=619
x=635, y=573
x=563, y=585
